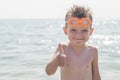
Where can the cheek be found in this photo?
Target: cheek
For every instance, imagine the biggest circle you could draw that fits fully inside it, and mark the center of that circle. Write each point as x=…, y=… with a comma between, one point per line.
x=86, y=36
x=70, y=36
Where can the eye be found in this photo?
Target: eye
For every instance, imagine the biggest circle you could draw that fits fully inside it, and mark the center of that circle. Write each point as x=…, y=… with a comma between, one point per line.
x=73, y=31
x=84, y=31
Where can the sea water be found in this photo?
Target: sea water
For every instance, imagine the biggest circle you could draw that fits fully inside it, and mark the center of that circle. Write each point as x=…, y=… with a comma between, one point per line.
x=27, y=45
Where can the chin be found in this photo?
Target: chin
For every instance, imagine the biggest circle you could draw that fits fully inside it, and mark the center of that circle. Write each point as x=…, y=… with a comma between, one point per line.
x=78, y=44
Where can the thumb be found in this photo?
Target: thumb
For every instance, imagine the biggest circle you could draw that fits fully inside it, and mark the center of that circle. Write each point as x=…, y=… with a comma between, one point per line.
x=61, y=50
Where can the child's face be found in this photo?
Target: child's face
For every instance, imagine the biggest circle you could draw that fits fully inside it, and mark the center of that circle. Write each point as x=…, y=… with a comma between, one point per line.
x=78, y=35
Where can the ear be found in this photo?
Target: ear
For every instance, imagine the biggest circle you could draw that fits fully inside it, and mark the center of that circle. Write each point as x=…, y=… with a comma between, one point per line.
x=65, y=30
x=91, y=30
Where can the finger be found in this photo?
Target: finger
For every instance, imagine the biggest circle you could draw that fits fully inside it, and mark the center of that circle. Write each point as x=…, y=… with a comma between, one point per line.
x=61, y=49
x=61, y=62
x=58, y=49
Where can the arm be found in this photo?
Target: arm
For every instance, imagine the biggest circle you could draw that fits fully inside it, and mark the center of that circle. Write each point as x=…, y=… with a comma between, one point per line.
x=58, y=60
x=95, y=68
x=52, y=66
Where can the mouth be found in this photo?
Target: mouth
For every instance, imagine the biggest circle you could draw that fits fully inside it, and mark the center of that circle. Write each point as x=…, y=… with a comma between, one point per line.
x=78, y=40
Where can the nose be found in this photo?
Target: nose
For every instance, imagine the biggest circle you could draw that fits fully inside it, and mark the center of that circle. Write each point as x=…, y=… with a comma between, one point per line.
x=79, y=34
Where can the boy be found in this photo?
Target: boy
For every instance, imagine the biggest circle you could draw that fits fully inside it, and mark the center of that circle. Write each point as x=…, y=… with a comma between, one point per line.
x=76, y=59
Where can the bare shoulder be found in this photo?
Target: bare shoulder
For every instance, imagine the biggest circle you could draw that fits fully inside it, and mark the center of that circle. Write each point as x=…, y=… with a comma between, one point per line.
x=93, y=50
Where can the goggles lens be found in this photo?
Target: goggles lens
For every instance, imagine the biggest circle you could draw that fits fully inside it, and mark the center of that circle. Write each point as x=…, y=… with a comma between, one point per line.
x=75, y=22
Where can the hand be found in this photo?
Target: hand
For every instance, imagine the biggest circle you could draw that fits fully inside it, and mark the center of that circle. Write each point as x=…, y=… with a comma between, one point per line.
x=61, y=57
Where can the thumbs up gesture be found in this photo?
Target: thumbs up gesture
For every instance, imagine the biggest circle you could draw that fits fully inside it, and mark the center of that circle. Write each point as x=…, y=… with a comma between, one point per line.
x=61, y=57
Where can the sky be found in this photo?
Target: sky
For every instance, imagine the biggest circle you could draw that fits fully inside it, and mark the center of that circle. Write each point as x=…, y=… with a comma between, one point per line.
x=29, y=9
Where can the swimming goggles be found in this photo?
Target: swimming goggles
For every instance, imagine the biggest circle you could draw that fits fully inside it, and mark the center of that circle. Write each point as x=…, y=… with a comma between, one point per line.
x=75, y=22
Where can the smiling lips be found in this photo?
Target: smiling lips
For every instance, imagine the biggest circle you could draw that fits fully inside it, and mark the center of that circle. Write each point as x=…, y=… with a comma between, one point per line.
x=78, y=40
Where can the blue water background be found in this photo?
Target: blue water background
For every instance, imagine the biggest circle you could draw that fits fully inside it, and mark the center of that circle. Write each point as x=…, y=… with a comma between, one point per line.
x=26, y=46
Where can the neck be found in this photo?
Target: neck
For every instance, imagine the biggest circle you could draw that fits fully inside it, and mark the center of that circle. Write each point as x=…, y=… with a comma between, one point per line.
x=76, y=48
